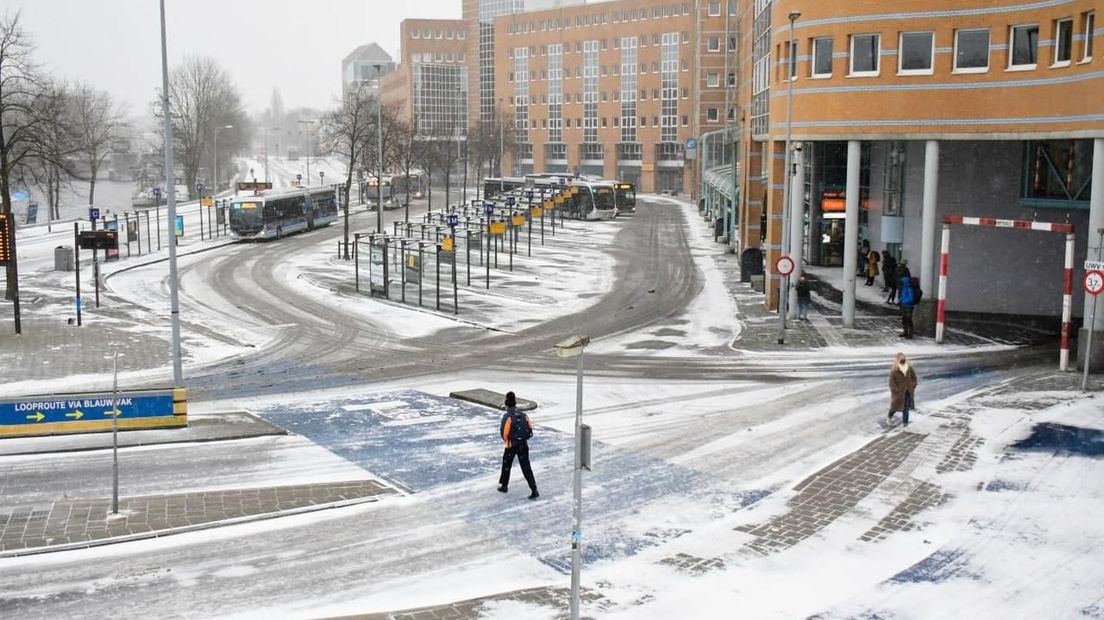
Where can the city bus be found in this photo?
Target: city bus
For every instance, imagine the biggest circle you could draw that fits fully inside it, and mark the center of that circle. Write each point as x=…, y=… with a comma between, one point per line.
x=370, y=192
x=494, y=186
x=273, y=215
x=415, y=182
x=626, y=196
x=596, y=200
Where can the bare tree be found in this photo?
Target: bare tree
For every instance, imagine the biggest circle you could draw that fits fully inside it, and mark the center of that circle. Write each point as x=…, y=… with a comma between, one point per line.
x=20, y=123
x=407, y=153
x=50, y=165
x=381, y=139
x=203, y=98
x=97, y=124
x=346, y=129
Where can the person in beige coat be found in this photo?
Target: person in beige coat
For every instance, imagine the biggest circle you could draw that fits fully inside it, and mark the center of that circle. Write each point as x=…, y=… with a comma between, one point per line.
x=902, y=385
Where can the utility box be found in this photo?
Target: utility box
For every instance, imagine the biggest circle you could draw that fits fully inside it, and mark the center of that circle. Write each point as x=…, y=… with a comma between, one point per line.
x=584, y=446
x=63, y=258
x=751, y=264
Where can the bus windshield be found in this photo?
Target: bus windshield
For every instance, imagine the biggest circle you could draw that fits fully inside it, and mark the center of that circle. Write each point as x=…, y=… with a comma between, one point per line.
x=247, y=216
x=603, y=198
x=626, y=194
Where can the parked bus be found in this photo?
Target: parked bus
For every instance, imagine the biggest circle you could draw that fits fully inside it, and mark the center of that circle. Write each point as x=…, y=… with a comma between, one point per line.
x=273, y=215
x=596, y=200
x=626, y=196
x=415, y=182
x=494, y=186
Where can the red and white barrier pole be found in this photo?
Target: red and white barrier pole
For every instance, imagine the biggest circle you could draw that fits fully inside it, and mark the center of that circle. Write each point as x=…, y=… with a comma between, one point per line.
x=941, y=307
x=1067, y=303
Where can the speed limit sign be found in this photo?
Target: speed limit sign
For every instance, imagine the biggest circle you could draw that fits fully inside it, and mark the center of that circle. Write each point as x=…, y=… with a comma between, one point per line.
x=784, y=265
x=1094, y=282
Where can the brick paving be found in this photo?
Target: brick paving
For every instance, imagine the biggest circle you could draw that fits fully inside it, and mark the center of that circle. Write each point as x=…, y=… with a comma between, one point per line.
x=693, y=564
x=72, y=522
x=552, y=600
x=828, y=494
x=925, y=495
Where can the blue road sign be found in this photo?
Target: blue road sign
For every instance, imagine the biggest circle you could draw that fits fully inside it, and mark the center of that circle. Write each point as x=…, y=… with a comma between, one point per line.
x=691, y=144
x=93, y=213
x=488, y=208
x=179, y=229
x=156, y=192
x=84, y=407
x=452, y=219
x=509, y=201
x=199, y=188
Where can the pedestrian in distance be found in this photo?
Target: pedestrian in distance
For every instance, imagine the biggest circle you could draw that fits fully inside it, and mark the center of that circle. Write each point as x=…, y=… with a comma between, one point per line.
x=909, y=296
x=872, y=259
x=902, y=386
x=864, y=250
x=516, y=430
x=902, y=271
x=804, y=298
x=889, y=271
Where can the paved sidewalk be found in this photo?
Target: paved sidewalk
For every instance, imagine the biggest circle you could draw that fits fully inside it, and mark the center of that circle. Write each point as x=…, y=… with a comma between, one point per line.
x=79, y=523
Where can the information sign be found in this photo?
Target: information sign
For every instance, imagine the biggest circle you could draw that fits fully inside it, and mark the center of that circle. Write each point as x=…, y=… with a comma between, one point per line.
x=498, y=228
x=93, y=214
x=452, y=220
x=488, y=208
x=99, y=240
x=376, y=266
x=113, y=228
x=517, y=220
x=179, y=228
x=1094, y=265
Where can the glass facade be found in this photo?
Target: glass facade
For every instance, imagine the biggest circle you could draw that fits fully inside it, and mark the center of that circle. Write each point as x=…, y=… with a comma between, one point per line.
x=488, y=10
x=669, y=93
x=760, y=78
x=628, y=89
x=440, y=99
x=521, y=95
x=590, y=91
x=555, y=93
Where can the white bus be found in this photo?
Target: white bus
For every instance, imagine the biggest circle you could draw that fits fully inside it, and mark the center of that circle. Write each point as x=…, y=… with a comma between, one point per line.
x=274, y=214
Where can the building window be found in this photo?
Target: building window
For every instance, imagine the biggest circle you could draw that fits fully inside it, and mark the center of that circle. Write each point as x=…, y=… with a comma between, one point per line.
x=685, y=64
x=714, y=44
x=914, y=53
x=713, y=79
x=413, y=34
x=459, y=34
x=714, y=8
x=448, y=33
x=604, y=122
x=1025, y=47
x=685, y=92
x=822, y=57
x=1060, y=172
x=685, y=120
x=685, y=37
x=972, y=51
x=1090, y=19
x=655, y=66
x=793, y=60
x=711, y=115
x=864, y=54
x=1063, y=42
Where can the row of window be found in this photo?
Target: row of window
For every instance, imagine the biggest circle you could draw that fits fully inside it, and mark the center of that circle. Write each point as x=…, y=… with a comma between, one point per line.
x=437, y=57
x=580, y=123
x=617, y=96
x=625, y=16
x=425, y=33
x=642, y=41
x=605, y=70
x=971, y=52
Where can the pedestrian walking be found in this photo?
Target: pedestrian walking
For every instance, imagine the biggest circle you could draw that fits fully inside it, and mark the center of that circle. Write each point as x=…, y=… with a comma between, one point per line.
x=902, y=386
x=864, y=250
x=889, y=270
x=871, y=267
x=515, y=430
x=804, y=298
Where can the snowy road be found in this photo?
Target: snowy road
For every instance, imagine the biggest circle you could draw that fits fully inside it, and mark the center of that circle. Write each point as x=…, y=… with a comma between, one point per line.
x=685, y=441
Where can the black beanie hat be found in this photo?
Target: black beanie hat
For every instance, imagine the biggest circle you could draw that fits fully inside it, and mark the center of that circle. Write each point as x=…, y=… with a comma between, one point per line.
x=511, y=400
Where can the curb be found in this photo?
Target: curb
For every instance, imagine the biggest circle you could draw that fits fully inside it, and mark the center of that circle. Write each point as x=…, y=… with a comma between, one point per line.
x=88, y=544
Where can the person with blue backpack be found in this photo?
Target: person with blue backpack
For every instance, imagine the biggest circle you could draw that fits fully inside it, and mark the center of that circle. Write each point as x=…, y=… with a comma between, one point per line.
x=908, y=296
x=516, y=430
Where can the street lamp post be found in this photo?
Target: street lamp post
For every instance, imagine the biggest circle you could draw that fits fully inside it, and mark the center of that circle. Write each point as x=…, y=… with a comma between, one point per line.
x=379, y=153
x=214, y=156
x=501, y=150
x=573, y=347
x=308, y=123
x=791, y=70
x=170, y=187
x=266, y=130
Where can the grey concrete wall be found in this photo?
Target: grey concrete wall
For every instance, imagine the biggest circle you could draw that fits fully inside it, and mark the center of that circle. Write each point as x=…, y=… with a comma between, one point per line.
x=990, y=269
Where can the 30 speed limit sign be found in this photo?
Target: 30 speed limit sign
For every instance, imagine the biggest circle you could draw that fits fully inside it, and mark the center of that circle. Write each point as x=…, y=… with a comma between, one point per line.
x=784, y=265
x=1094, y=282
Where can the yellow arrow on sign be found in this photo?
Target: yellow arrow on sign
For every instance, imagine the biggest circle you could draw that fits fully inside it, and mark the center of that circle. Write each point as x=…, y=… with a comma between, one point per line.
x=78, y=414
x=36, y=416
x=113, y=412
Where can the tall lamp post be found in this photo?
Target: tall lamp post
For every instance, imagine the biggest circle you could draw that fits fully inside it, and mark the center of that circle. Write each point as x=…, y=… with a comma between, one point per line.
x=214, y=156
x=573, y=347
x=783, y=293
x=501, y=150
x=266, y=130
x=308, y=123
x=379, y=153
x=170, y=191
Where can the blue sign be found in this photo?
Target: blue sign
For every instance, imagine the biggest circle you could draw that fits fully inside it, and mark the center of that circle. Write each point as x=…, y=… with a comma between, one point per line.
x=156, y=192
x=488, y=208
x=529, y=194
x=93, y=213
x=509, y=201
x=452, y=219
x=179, y=226
x=691, y=144
x=199, y=188
x=19, y=196
x=85, y=407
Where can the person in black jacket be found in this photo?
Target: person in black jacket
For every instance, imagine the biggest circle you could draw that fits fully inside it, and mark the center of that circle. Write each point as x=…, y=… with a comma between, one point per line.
x=804, y=298
x=515, y=430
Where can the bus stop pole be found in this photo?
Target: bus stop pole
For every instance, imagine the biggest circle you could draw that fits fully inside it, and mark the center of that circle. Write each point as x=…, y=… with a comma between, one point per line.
x=488, y=256
x=76, y=263
x=421, y=273
x=356, y=260
x=437, y=265
x=402, y=275
x=467, y=250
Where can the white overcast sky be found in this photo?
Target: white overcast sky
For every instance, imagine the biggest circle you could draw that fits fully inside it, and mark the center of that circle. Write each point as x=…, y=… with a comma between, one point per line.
x=295, y=45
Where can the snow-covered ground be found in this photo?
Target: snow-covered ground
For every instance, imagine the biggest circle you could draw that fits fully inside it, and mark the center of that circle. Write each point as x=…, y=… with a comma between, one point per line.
x=1015, y=535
